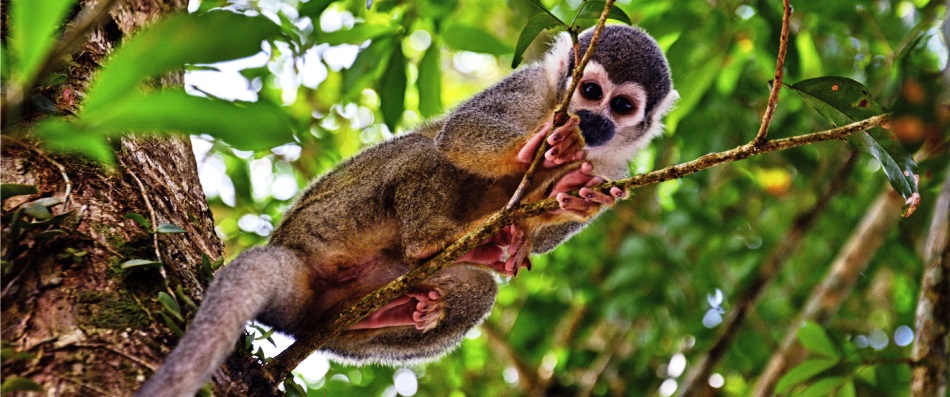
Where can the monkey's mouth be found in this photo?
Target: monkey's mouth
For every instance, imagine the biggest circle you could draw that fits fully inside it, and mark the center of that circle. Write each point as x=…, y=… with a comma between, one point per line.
x=595, y=128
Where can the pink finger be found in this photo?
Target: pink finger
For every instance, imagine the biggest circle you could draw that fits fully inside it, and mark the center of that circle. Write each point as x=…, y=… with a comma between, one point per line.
x=526, y=154
x=595, y=196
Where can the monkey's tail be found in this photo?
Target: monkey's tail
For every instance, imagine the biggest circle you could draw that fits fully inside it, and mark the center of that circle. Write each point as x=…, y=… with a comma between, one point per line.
x=240, y=291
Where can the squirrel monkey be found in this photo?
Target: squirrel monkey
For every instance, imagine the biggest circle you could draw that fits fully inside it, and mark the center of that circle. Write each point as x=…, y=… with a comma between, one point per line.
x=377, y=214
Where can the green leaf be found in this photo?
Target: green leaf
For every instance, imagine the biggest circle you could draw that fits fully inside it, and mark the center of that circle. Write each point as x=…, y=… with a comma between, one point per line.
x=244, y=125
x=197, y=38
x=532, y=29
x=814, y=338
x=392, y=92
x=170, y=305
x=59, y=135
x=37, y=211
x=803, y=372
x=139, y=219
x=847, y=390
x=366, y=66
x=33, y=30
x=169, y=228
x=537, y=4
x=15, y=383
x=823, y=387
x=293, y=389
x=593, y=9
x=429, y=81
x=139, y=262
x=170, y=323
x=843, y=101
x=470, y=38
x=8, y=190
x=314, y=8
x=436, y=9
x=180, y=293
x=359, y=34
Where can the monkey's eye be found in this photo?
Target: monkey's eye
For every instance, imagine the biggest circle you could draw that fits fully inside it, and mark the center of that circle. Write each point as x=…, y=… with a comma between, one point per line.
x=621, y=105
x=591, y=91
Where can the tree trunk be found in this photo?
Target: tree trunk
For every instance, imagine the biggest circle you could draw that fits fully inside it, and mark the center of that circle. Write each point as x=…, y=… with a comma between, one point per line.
x=73, y=321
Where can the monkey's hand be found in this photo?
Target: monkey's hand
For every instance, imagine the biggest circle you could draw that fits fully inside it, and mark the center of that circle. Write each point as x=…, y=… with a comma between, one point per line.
x=566, y=142
x=589, y=201
x=423, y=309
x=505, y=252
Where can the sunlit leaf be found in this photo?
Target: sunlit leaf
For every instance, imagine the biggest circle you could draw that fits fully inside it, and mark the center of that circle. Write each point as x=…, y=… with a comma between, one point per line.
x=33, y=28
x=535, y=26
x=392, y=90
x=537, y=4
x=429, y=82
x=59, y=135
x=843, y=101
x=8, y=190
x=474, y=39
x=803, y=372
x=816, y=340
x=244, y=125
x=436, y=9
x=366, y=66
x=847, y=390
x=593, y=9
x=314, y=8
x=197, y=38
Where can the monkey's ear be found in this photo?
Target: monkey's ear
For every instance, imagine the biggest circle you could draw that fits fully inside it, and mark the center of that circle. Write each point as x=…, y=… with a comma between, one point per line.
x=667, y=105
x=555, y=61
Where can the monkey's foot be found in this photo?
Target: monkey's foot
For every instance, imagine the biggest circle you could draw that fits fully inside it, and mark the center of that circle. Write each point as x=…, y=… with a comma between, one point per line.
x=588, y=201
x=566, y=142
x=505, y=252
x=423, y=309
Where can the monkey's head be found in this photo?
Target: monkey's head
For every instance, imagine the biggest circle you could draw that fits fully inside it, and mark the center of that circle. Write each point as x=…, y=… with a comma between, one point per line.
x=624, y=92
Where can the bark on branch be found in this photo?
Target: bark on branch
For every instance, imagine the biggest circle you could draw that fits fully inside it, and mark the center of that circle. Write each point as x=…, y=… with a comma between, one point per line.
x=931, y=347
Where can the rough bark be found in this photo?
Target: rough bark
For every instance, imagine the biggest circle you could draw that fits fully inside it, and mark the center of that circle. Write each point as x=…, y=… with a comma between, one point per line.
x=931, y=347
x=73, y=321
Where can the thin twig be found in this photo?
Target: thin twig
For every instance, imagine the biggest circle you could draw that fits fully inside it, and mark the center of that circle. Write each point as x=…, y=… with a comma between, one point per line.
x=560, y=113
x=777, y=81
x=62, y=173
x=279, y=367
x=152, y=216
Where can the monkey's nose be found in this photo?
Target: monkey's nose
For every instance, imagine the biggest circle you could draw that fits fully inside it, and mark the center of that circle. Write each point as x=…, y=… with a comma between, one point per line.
x=596, y=129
